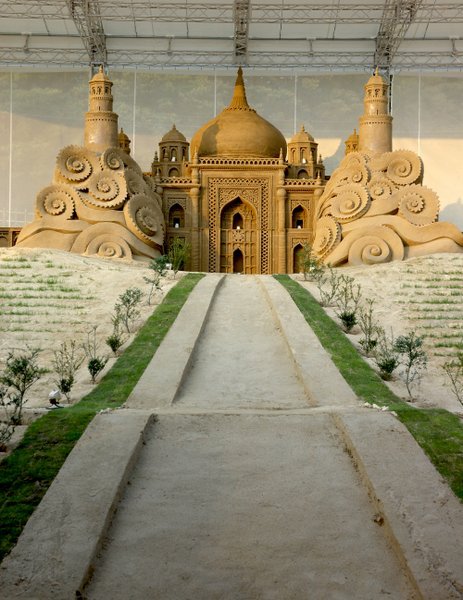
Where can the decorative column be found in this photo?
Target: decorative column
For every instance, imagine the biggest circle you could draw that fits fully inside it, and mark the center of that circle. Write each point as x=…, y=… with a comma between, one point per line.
x=195, y=228
x=281, y=236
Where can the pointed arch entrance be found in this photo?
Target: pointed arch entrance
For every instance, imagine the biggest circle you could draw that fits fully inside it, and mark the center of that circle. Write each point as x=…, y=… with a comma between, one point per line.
x=297, y=258
x=238, y=238
x=238, y=261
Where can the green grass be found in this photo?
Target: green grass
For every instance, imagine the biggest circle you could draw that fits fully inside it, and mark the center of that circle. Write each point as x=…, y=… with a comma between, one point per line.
x=439, y=432
x=28, y=472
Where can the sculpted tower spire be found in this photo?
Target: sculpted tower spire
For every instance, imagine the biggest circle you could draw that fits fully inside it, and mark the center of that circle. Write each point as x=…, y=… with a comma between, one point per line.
x=375, y=126
x=101, y=130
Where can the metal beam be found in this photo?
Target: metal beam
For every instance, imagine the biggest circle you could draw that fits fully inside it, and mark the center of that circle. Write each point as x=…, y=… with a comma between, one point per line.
x=87, y=18
x=241, y=19
x=397, y=17
x=200, y=12
x=310, y=60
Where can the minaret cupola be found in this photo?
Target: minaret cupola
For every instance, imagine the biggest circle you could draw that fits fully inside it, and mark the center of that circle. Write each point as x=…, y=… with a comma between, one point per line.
x=101, y=130
x=173, y=151
x=375, y=125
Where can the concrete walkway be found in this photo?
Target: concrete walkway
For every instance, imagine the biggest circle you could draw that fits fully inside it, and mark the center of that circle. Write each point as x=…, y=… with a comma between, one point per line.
x=262, y=477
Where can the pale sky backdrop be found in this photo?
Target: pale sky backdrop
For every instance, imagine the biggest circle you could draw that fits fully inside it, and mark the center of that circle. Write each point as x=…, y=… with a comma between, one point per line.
x=41, y=112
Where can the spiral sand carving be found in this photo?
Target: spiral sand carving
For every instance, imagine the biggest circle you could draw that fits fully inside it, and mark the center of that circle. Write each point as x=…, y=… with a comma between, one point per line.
x=375, y=209
x=97, y=204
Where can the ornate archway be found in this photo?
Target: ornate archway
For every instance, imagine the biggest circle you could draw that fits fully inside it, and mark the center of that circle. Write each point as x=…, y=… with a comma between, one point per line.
x=238, y=237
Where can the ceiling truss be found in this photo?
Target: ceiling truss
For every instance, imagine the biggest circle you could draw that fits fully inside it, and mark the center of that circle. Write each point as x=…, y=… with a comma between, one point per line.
x=89, y=24
x=397, y=17
x=241, y=22
x=76, y=33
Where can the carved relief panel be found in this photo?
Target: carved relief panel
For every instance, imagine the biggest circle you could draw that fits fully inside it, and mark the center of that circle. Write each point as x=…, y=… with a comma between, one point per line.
x=238, y=225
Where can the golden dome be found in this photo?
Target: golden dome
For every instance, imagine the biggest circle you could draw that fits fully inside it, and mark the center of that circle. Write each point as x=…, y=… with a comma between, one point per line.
x=174, y=135
x=301, y=137
x=238, y=131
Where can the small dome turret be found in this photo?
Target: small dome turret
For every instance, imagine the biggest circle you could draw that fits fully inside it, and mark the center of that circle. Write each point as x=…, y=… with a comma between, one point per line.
x=174, y=135
x=301, y=137
x=124, y=141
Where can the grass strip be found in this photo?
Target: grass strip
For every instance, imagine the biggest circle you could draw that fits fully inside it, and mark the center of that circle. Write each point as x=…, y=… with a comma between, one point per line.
x=27, y=473
x=437, y=431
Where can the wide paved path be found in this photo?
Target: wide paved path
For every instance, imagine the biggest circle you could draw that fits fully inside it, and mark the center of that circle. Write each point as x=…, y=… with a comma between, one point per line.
x=242, y=467
x=245, y=506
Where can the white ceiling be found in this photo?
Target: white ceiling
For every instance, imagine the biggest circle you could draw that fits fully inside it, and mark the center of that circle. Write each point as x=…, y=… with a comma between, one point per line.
x=326, y=35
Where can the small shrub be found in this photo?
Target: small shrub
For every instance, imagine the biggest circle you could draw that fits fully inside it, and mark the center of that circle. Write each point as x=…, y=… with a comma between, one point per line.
x=95, y=363
x=454, y=371
x=347, y=300
x=20, y=373
x=159, y=267
x=414, y=358
x=7, y=427
x=179, y=254
x=328, y=286
x=116, y=339
x=370, y=328
x=126, y=309
x=386, y=356
x=310, y=265
x=66, y=362
x=348, y=320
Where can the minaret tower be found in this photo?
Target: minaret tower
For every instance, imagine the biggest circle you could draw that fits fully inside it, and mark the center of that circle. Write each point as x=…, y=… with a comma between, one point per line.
x=101, y=130
x=375, y=126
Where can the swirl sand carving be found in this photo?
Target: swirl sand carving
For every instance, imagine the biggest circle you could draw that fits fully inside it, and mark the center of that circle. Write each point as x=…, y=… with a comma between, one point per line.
x=374, y=209
x=98, y=204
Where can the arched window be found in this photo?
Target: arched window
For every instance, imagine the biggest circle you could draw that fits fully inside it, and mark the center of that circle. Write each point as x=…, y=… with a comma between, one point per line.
x=173, y=172
x=298, y=218
x=238, y=261
x=237, y=222
x=297, y=258
x=176, y=216
x=173, y=155
x=302, y=174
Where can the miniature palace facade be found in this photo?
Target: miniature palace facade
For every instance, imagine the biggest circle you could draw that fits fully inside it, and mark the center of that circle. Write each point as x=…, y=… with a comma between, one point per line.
x=239, y=204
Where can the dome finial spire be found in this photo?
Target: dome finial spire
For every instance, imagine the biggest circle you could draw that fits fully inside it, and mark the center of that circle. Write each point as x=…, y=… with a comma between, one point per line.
x=239, y=100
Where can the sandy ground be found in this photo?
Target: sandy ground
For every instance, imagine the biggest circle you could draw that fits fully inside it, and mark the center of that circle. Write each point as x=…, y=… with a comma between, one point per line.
x=48, y=297
x=424, y=295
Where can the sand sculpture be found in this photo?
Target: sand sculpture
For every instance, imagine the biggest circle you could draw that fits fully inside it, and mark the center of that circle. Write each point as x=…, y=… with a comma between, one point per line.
x=374, y=208
x=99, y=201
x=238, y=201
x=246, y=201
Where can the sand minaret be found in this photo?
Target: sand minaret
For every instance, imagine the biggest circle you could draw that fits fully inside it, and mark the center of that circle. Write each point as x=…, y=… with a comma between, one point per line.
x=101, y=129
x=375, y=126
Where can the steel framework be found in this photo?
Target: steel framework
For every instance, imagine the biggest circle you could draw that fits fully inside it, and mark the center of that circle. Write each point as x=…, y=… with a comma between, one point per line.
x=191, y=34
x=241, y=19
x=149, y=10
x=87, y=18
x=397, y=17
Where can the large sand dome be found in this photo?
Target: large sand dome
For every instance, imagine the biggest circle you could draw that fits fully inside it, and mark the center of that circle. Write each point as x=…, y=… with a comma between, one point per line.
x=238, y=131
